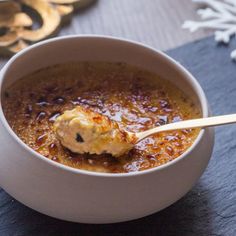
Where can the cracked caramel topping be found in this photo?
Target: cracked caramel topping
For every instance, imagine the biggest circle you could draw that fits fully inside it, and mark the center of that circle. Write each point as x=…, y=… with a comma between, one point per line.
x=137, y=99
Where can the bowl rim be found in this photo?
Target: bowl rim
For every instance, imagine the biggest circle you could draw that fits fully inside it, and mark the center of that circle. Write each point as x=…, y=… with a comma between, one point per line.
x=196, y=86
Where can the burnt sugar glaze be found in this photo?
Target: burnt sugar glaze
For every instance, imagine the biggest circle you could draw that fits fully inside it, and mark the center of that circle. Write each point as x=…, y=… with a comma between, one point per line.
x=136, y=98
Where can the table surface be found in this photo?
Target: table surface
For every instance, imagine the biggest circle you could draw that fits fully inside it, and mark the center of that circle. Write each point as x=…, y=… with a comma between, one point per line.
x=154, y=22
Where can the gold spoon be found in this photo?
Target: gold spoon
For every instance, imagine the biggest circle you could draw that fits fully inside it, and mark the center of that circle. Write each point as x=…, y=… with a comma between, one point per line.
x=188, y=124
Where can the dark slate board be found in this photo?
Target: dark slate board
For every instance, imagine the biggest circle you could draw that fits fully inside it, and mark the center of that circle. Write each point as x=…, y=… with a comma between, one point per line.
x=208, y=209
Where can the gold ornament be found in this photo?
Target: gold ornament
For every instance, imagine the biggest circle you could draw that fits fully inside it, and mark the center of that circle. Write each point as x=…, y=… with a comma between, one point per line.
x=16, y=30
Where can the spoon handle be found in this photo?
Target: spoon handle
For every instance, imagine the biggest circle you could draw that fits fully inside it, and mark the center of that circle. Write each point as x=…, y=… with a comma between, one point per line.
x=187, y=124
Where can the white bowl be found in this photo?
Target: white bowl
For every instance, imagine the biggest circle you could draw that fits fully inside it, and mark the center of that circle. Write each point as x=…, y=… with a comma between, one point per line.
x=89, y=197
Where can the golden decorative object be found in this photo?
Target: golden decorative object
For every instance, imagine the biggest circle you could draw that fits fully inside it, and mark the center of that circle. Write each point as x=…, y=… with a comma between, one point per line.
x=16, y=31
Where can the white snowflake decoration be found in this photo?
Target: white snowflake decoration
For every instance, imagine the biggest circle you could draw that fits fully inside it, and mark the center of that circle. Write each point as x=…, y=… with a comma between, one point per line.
x=220, y=15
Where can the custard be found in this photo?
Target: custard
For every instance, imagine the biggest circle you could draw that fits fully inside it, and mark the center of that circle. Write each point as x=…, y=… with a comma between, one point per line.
x=84, y=131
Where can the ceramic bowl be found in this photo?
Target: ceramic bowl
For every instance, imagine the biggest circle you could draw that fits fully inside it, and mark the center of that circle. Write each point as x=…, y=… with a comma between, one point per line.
x=89, y=197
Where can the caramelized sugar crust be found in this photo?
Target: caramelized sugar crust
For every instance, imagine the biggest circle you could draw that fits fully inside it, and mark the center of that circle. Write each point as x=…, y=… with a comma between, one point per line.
x=136, y=98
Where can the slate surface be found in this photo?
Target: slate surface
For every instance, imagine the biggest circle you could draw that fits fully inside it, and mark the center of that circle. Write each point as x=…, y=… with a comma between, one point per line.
x=208, y=209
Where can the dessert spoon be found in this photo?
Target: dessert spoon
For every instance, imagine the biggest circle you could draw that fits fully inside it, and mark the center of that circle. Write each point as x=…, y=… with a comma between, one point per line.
x=85, y=131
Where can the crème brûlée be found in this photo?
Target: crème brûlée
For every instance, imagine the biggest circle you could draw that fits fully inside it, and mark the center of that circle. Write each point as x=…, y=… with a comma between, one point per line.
x=133, y=98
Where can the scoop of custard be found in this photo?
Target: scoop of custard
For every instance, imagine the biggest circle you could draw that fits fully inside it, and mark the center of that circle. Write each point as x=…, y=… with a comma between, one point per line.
x=85, y=131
